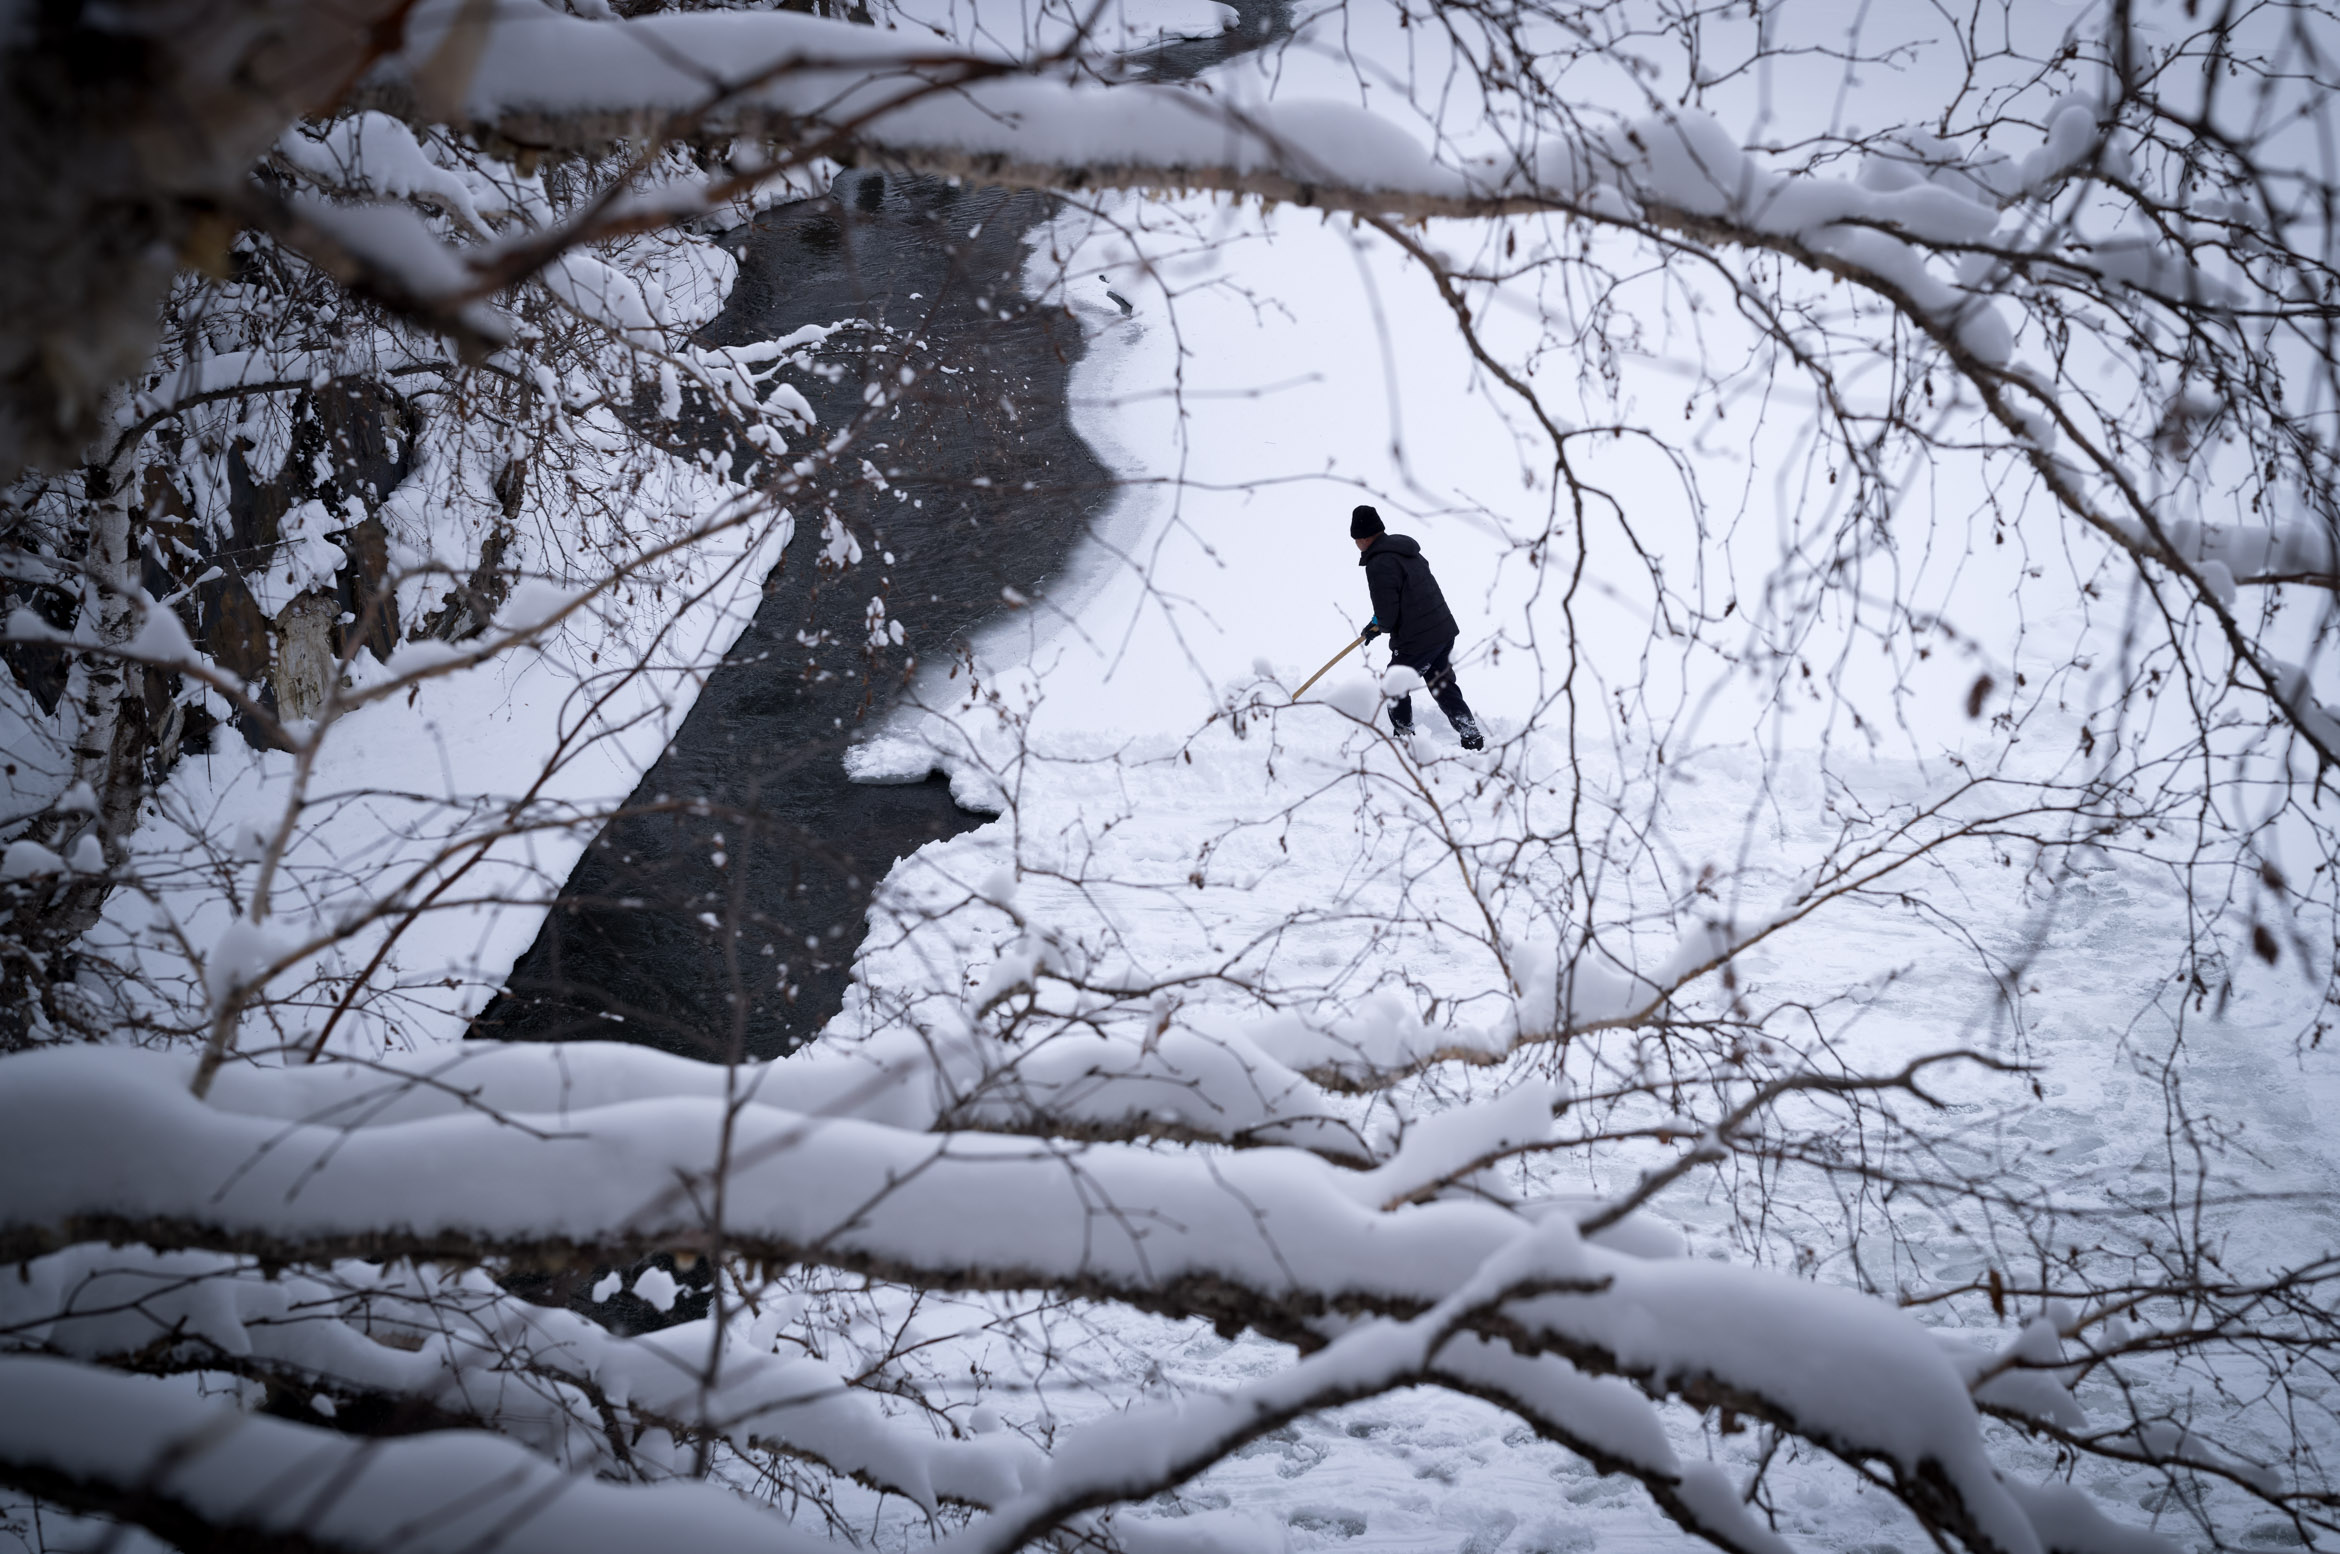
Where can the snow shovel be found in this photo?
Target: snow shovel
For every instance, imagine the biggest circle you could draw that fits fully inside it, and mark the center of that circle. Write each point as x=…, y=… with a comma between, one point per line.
x=1327, y=669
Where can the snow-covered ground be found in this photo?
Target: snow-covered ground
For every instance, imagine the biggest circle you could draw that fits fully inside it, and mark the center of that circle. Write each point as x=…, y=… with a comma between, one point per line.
x=1274, y=373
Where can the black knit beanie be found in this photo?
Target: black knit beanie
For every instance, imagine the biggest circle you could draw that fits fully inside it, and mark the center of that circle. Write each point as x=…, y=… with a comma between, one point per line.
x=1365, y=521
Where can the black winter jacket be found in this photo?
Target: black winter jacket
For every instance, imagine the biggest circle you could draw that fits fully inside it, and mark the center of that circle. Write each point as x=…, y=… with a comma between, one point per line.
x=1406, y=599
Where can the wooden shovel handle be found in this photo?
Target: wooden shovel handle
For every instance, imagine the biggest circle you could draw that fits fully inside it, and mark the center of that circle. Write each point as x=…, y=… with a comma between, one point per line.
x=1327, y=669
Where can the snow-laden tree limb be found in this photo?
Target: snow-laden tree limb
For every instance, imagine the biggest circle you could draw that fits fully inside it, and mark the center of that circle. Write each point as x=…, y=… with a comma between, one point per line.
x=196, y=1471
x=1268, y=1239
x=460, y=1350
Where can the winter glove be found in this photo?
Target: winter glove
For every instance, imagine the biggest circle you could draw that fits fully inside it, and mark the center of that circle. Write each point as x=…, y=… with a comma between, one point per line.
x=1372, y=630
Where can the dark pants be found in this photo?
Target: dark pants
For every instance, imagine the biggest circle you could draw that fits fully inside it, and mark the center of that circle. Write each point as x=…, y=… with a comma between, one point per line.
x=1437, y=674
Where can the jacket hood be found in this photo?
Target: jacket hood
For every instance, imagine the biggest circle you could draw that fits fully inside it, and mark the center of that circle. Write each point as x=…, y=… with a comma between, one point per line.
x=1394, y=544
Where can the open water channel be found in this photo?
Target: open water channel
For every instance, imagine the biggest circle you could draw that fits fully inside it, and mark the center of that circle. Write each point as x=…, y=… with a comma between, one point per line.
x=719, y=915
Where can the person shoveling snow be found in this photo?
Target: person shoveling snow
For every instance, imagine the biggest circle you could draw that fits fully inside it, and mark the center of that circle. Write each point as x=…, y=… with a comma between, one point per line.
x=1412, y=613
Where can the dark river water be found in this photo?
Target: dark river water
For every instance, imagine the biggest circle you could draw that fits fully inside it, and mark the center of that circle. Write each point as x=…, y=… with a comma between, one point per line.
x=987, y=489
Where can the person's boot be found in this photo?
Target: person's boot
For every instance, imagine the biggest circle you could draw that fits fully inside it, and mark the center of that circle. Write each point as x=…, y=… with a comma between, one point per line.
x=1472, y=739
